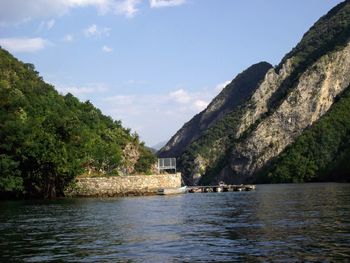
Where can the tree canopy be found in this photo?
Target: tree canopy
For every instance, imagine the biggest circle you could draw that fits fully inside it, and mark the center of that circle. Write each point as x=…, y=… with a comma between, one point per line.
x=47, y=139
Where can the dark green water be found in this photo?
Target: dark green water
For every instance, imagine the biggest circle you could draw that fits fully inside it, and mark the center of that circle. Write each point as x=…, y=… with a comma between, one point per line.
x=286, y=223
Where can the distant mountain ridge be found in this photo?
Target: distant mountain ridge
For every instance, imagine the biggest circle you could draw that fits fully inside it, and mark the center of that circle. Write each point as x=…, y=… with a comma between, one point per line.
x=247, y=133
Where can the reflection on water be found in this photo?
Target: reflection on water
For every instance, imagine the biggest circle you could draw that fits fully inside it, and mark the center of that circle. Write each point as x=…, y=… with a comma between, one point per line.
x=307, y=222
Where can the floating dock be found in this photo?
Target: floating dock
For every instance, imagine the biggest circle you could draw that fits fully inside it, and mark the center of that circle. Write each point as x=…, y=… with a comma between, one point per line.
x=220, y=188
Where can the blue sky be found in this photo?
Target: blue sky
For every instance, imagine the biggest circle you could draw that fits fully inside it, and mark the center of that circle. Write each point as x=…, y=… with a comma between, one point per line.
x=152, y=63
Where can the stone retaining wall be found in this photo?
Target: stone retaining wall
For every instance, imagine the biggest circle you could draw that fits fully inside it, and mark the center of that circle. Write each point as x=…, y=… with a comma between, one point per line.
x=123, y=185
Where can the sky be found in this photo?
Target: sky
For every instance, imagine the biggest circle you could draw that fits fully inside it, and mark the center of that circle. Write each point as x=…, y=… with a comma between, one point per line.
x=153, y=64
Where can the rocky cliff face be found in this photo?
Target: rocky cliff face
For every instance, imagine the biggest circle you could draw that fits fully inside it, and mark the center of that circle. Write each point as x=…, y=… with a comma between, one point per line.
x=258, y=103
x=211, y=147
x=131, y=154
x=234, y=141
x=311, y=97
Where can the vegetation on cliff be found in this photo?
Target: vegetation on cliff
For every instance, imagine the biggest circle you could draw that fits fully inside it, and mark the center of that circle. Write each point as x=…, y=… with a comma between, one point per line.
x=212, y=147
x=321, y=153
x=48, y=139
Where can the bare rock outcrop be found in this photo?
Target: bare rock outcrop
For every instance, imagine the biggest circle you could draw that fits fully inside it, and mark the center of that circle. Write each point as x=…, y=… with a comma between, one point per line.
x=312, y=96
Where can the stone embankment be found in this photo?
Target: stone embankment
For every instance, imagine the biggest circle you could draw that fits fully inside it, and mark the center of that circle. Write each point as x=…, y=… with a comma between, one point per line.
x=131, y=185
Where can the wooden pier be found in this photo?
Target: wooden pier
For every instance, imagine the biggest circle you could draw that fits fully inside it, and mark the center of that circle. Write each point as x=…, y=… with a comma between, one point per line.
x=220, y=188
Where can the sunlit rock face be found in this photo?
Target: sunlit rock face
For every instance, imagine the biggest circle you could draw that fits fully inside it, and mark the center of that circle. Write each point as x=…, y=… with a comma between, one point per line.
x=311, y=97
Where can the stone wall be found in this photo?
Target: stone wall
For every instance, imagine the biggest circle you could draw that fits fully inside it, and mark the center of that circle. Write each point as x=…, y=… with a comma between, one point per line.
x=122, y=185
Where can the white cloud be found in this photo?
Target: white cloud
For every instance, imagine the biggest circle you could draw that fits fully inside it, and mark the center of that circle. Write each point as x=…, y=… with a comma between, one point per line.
x=107, y=49
x=222, y=85
x=180, y=96
x=19, y=11
x=95, y=31
x=200, y=105
x=127, y=7
x=90, y=31
x=23, y=44
x=191, y=101
x=46, y=24
x=79, y=91
x=68, y=38
x=143, y=113
x=166, y=3
x=121, y=99
x=146, y=113
x=168, y=110
x=50, y=24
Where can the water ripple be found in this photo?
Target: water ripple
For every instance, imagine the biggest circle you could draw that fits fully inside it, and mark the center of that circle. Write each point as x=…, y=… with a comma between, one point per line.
x=280, y=223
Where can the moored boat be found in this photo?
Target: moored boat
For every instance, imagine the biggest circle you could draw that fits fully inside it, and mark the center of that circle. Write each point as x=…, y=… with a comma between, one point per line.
x=172, y=191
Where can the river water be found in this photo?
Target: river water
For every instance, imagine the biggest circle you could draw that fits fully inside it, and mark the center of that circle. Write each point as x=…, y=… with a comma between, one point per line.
x=291, y=222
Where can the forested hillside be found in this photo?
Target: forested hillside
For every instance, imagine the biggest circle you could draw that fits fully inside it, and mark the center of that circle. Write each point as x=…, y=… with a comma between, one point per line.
x=47, y=139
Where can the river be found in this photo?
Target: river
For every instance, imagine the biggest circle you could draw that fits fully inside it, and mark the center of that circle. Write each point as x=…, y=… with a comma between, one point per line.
x=290, y=222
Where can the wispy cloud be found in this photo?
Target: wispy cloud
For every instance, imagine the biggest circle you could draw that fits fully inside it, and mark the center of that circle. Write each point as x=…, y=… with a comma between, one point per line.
x=145, y=113
x=95, y=31
x=166, y=3
x=127, y=7
x=200, y=105
x=168, y=110
x=24, y=45
x=191, y=101
x=121, y=99
x=78, y=90
x=180, y=96
x=46, y=24
x=68, y=38
x=20, y=11
x=107, y=49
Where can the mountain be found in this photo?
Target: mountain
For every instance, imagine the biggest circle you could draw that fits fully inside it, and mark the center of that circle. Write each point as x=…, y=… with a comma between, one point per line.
x=239, y=90
x=249, y=140
x=47, y=139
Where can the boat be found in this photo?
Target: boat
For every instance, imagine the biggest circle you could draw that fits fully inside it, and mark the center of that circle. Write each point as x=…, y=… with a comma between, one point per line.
x=195, y=190
x=172, y=191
